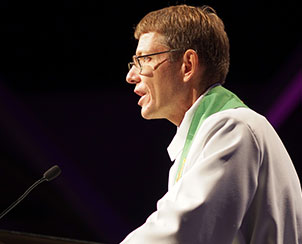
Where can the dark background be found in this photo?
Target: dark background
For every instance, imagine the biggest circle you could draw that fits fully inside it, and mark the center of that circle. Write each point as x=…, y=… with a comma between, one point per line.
x=64, y=100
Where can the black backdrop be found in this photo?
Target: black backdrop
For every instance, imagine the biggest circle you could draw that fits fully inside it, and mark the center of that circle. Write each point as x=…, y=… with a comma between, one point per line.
x=64, y=100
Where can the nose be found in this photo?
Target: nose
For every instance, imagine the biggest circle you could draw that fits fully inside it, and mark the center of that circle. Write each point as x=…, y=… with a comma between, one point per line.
x=133, y=76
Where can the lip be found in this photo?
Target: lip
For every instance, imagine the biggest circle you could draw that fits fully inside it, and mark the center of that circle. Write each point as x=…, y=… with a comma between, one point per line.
x=141, y=100
x=139, y=92
x=142, y=94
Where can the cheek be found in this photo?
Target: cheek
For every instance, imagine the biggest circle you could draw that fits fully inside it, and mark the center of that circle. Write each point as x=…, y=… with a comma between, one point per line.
x=156, y=86
x=163, y=84
x=161, y=90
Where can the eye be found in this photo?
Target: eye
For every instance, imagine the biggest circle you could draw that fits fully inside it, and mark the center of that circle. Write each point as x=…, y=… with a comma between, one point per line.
x=146, y=59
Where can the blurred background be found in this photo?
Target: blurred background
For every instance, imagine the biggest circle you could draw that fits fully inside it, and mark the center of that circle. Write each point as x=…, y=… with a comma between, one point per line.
x=64, y=100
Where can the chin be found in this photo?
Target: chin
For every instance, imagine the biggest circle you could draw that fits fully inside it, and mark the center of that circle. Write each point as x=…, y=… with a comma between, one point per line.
x=147, y=113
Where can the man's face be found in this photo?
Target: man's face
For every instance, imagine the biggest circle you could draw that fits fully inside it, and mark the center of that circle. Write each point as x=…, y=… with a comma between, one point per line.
x=159, y=84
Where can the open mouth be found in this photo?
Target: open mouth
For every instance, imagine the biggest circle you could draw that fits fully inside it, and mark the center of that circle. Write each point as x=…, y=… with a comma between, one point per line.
x=144, y=96
x=143, y=99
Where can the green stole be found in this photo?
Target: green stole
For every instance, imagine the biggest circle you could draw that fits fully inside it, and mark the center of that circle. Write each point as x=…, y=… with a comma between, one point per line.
x=216, y=100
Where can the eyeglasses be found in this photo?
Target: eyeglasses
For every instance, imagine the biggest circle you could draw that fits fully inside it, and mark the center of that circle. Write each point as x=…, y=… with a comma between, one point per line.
x=141, y=62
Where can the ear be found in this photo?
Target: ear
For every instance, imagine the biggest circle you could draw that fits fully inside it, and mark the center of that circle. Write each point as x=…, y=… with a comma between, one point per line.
x=190, y=64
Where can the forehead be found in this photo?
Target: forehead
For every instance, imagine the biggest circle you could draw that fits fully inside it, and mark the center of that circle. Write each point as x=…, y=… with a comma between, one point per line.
x=150, y=42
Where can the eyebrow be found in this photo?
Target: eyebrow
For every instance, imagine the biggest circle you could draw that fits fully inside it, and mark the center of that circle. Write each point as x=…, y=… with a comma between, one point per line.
x=142, y=52
x=148, y=52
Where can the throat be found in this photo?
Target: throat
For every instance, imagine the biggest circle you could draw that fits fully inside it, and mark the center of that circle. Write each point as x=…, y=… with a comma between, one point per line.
x=178, y=115
x=182, y=107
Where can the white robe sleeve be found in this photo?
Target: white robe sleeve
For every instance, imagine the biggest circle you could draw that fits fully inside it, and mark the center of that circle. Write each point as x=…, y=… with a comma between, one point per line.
x=207, y=205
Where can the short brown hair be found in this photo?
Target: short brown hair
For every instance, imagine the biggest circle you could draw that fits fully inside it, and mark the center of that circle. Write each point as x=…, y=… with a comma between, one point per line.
x=197, y=28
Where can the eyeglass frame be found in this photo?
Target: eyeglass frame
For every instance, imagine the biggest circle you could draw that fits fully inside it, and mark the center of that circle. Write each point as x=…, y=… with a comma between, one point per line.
x=131, y=64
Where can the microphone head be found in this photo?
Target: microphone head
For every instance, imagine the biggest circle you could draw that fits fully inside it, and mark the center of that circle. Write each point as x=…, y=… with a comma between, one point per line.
x=52, y=173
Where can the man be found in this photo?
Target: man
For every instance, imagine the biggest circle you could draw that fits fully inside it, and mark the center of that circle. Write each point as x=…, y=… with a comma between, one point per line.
x=232, y=180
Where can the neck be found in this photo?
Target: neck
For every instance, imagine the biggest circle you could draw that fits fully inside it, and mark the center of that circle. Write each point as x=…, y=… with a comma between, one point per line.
x=184, y=105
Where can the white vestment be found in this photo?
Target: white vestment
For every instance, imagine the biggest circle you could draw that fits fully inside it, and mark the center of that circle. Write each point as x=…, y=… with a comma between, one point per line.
x=238, y=186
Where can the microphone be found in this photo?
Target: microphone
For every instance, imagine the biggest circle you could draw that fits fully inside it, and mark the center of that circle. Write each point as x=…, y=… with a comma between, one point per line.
x=49, y=175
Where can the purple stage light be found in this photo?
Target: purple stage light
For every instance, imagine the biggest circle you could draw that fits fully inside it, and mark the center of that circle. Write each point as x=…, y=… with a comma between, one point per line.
x=287, y=102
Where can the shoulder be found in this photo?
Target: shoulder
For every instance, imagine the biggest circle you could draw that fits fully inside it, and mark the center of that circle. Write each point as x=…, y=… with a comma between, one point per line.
x=229, y=133
x=246, y=117
x=242, y=124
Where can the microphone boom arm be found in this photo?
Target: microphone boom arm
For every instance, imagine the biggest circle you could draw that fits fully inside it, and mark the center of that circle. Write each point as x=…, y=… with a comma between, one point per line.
x=49, y=175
